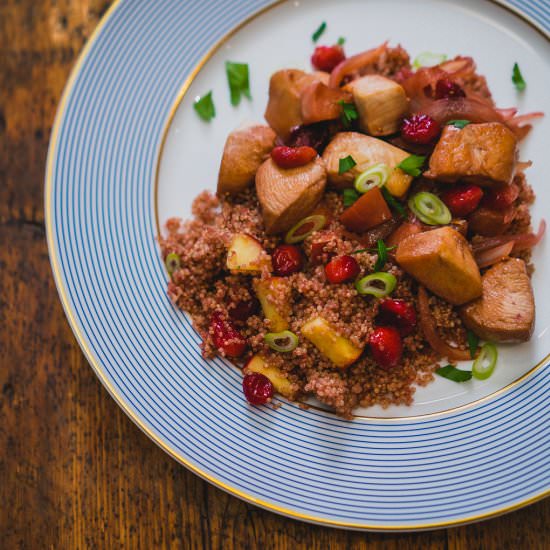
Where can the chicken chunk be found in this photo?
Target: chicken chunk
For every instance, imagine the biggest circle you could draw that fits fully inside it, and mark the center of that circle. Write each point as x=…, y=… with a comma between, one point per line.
x=288, y=195
x=441, y=260
x=480, y=153
x=381, y=104
x=365, y=151
x=243, y=153
x=284, y=107
x=506, y=310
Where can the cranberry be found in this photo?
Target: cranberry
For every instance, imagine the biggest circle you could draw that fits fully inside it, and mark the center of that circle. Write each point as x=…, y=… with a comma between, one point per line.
x=315, y=135
x=397, y=313
x=257, y=388
x=292, y=157
x=462, y=199
x=421, y=129
x=386, y=347
x=243, y=309
x=501, y=199
x=447, y=89
x=287, y=259
x=226, y=337
x=325, y=58
x=342, y=269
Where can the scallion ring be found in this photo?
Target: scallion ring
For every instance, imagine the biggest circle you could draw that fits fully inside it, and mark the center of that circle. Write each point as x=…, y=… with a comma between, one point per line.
x=486, y=361
x=366, y=285
x=304, y=228
x=375, y=176
x=428, y=59
x=284, y=341
x=172, y=262
x=429, y=208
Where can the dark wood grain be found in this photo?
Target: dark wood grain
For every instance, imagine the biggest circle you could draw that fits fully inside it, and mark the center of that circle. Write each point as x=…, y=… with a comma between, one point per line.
x=74, y=471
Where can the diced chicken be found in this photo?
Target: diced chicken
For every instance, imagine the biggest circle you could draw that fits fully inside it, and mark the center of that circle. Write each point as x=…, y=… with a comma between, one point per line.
x=280, y=382
x=288, y=195
x=284, y=107
x=381, y=104
x=365, y=151
x=506, y=310
x=319, y=102
x=441, y=260
x=243, y=153
x=489, y=223
x=480, y=153
x=246, y=255
x=274, y=296
x=336, y=348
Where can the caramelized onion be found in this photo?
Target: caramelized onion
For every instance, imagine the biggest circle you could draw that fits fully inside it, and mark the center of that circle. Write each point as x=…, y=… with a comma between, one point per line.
x=429, y=328
x=491, y=256
x=521, y=241
x=354, y=64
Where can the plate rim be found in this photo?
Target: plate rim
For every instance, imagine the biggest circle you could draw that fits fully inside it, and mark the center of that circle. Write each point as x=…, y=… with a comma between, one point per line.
x=99, y=369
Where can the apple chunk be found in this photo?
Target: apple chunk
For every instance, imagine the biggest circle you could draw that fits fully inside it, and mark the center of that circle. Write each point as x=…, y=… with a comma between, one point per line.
x=246, y=255
x=274, y=294
x=280, y=382
x=335, y=347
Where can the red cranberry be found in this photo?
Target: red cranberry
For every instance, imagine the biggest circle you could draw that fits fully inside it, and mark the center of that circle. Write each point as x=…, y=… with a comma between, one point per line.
x=462, y=199
x=287, y=259
x=342, y=269
x=386, y=347
x=501, y=199
x=325, y=58
x=226, y=337
x=315, y=135
x=447, y=89
x=421, y=129
x=243, y=309
x=292, y=157
x=257, y=388
x=397, y=313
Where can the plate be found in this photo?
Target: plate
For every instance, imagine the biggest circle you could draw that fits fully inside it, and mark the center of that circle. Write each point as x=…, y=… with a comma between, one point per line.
x=127, y=152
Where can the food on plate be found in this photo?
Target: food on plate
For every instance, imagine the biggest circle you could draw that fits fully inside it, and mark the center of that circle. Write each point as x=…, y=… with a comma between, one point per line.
x=378, y=225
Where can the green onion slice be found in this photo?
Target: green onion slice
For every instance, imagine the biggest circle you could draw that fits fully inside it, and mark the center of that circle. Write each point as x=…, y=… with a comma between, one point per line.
x=428, y=59
x=486, y=362
x=366, y=285
x=304, y=228
x=172, y=262
x=429, y=209
x=375, y=176
x=350, y=196
x=284, y=341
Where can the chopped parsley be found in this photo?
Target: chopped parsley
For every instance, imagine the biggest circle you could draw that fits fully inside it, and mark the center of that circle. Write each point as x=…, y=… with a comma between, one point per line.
x=349, y=113
x=517, y=78
x=382, y=255
x=412, y=165
x=393, y=202
x=204, y=106
x=237, y=77
x=346, y=164
x=452, y=373
x=341, y=41
x=473, y=342
x=350, y=196
x=317, y=34
x=459, y=123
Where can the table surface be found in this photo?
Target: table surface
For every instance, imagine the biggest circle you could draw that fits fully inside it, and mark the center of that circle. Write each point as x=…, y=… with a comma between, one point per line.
x=74, y=471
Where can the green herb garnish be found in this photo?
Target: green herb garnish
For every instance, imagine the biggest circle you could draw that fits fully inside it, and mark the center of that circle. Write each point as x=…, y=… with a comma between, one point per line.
x=349, y=113
x=473, y=342
x=452, y=373
x=350, y=196
x=345, y=164
x=341, y=41
x=393, y=202
x=237, y=77
x=382, y=255
x=317, y=34
x=204, y=106
x=412, y=165
x=460, y=123
x=517, y=78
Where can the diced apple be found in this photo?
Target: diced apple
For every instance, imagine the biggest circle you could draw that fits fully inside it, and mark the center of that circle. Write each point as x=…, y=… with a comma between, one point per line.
x=335, y=347
x=246, y=255
x=280, y=382
x=273, y=294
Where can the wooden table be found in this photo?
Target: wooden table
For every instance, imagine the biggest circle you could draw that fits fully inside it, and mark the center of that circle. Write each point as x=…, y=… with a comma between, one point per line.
x=74, y=471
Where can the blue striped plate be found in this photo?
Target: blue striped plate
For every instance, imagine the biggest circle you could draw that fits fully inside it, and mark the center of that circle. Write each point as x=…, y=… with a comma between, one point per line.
x=127, y=151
